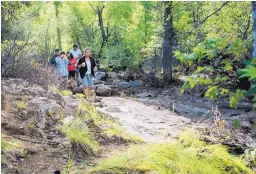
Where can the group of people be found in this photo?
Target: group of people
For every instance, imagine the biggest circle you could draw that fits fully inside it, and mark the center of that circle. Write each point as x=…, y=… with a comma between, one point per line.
x=74, y=65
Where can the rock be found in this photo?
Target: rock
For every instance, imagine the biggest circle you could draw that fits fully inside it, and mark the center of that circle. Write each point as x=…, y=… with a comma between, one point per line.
x=122, y=75
x=145, y=94
x=189, y=109
x=116, y=82
x=13, y=86
x=20, y=86
x=250, y=142
x=65, y=156
x=10, y=169
x=68, y=119
x=124, y=85
x=98, y=82
x=98, y=99
x=67, y=111
x=73, y=103
x=136, y=83
x=42, y=107
x=246, y=125
x=99, y=75
x=31, y=150
x=79, y=124
x=77, y=90
x=112, y=75
x=103, y=90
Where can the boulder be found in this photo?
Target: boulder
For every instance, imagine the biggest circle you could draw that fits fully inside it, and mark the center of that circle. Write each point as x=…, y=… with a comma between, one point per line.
x=77, y=90
x=146, y=94
x=99, y=75
x=68, y=119
x=124, y=85
x=116, y=82
x=41, y=108
x=99, y=82
x=103, y=90
x=136, y=83
x=68, y=110
x=112, y=75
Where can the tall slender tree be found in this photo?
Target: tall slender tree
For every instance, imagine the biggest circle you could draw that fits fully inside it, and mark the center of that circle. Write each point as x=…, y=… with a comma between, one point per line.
x=57, y=4
x=168, y=42
x=254, y=28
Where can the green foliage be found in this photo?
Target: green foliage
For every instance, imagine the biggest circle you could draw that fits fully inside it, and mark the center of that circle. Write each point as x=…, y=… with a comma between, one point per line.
x=77, y=134
x=209, y=68
x=66, y=92
x=69, y=165
x=212, y=92
x=3, y=151
x=22, y=104
x=80, y=96
x=80, y=133
x=237, y=123
x=236, y=97
x=188, y=155
x=250, y=71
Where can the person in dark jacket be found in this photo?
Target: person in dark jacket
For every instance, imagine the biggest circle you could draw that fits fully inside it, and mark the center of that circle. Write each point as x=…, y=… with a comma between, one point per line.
x=87, y=66
x=52, y=61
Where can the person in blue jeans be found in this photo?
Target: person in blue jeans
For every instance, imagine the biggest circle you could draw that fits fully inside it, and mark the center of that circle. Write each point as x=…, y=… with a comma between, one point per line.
x=87, y=66
x=62, y=68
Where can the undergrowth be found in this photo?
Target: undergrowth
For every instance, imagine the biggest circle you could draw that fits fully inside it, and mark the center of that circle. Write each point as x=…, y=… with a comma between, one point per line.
x=188, y=155
x=66, y=92
x=88, y=125
x=110, y=127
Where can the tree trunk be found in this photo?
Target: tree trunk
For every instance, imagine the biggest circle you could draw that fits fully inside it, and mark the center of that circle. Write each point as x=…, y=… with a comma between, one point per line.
x=104, y=36
x=57, y=5
x=59, y=38
x=254, y=29
x=103, y=33
x=168, y=42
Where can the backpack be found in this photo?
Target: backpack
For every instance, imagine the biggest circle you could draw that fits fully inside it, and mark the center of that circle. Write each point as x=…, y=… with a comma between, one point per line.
x=52, y=61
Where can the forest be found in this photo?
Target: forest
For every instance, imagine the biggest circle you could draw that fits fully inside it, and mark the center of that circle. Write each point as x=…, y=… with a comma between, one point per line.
x=177, y=92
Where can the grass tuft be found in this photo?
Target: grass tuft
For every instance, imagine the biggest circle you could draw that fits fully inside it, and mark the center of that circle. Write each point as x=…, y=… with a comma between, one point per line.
x=110, y=127
x=188, y=155
x=80, y=135
x=22, y=104
x=66, y=92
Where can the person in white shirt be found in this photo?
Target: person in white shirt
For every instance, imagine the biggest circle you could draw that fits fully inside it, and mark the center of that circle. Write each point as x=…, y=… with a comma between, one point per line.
x=77, y=55
x=87, y=67
x=76, y=52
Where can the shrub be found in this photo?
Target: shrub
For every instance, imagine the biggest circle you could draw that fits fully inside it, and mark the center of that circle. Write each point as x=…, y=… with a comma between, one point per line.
x=26, y=68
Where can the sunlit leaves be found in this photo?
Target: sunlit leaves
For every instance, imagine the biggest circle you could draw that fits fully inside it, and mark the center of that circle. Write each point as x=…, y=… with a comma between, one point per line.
x=224, y=91
x=250, y=72
x=236, y=97
x=212, y=92
x=200, y=69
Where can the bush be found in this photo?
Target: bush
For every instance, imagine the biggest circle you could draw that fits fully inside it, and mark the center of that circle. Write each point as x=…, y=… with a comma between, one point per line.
x=31, y=71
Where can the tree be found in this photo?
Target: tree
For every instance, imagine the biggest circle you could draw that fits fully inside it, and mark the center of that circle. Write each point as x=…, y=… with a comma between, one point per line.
x=57, y=5
x=104, y=33
x=168, y=41
x=254, y=28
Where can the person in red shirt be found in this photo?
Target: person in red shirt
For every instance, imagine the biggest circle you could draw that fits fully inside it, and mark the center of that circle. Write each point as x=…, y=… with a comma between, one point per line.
x=72, y=68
